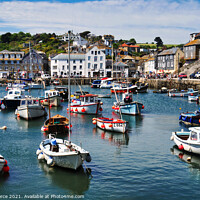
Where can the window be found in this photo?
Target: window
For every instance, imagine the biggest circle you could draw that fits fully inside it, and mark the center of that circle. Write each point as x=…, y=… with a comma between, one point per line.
x=63, y=67
x=95, y=66
x=101, y=58
x=101, y=65
x=55, y=61
x=80, y=72
x=74, y=67
x=80, y=61
x=99, y=52
x=80, y=66
x=74, y=61
x=95, y=52
x=67, y=66
x=89, y=57
x=89, y=65
x=89, y=74
x=54, y=67
x=92, y=52
x=95, y=58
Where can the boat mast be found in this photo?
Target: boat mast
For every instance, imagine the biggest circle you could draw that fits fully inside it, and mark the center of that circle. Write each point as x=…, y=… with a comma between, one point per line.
x=112, y=62
x=30, y=67
x=69, y=86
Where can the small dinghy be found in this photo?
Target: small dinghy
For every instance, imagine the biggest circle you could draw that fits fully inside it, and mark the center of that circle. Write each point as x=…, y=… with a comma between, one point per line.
x=190, y=118
x=4, y=168
x=110, y=124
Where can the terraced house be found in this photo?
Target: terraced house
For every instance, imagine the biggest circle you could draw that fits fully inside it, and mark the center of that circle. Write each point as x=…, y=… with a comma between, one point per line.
x=10, y=62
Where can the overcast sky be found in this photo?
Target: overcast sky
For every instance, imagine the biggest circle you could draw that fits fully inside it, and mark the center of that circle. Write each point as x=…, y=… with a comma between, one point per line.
x=172, y=20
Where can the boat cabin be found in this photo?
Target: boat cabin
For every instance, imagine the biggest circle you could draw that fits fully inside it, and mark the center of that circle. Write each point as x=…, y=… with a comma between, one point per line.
x=15, y=93
x=195, y=133
x=29, y=102
x=127, y=97
x=89, y=98
x=51, y=93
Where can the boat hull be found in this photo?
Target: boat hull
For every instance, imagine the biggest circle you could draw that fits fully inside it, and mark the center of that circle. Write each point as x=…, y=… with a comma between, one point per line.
x=130, y=109
x=188, y=145
x=52, y=101
x=182, y=94
x=190, y=119
x=85, y=108
x=30, y=112
x=124, y=90
x=111, y=125
x=11, y=103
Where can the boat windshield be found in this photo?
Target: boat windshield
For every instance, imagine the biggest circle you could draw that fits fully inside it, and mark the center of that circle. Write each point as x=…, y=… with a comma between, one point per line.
x=193, y=135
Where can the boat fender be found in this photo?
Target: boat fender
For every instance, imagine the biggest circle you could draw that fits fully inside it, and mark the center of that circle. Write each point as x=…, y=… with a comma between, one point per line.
x=113, y=107
x=3, y=106
x=38, y=151
x=180, y=117
x=76, y=110
x=50, y=162
x=5, y=168
x=103, y=126
x=94, y=122
x=189, y=159
x=83, y=110
x=100, y=109
x=172, y=138
x=88, y=158
x=41, y=156
x=142, y=106
x=110, y=125
x=181, y=147
x=101, y=103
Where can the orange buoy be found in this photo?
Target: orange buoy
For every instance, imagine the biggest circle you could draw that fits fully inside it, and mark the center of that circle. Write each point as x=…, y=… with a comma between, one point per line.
x=67, y=109
x=6, y=168
x=45, y=100
x=76, y=110
x=94, y=122
x=101, y=109
x=110, y=125
x=142, y=106
x=113, y=107
x=83, y=110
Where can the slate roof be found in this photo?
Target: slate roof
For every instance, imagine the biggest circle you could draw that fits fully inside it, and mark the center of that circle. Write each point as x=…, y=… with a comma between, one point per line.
x=193, y=42
x=168, y=52
x=72, y=57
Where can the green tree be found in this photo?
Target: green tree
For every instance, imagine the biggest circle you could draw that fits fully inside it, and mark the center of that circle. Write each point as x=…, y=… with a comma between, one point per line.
x=159, y=42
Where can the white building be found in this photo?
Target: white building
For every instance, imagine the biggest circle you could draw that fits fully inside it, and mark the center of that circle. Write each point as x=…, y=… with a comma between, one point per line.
x=84, y=65
x=149, y=65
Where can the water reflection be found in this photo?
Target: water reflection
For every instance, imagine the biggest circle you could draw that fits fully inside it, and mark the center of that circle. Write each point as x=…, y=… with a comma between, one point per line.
x=190, y=158
x=3, y=177
x=76, y=182
x=117, y=139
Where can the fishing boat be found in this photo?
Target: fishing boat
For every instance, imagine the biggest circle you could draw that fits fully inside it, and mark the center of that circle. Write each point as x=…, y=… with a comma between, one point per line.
x=142, y=87
x=192, y=97
x=13, y=97
x=96, y=84
x=87, y=104
x=110, y=124
x=4, y=168
x=56, y=82
x=30, y=108
x=63, y=153
x=52, y=98
x=123, y=87
x=33, y=85
x=63, y=92
x=190, y=118
x=23, y=86
x=188, y=140
x=183, y=93
x=128, y=106
x=57, y=124
x=106, y=83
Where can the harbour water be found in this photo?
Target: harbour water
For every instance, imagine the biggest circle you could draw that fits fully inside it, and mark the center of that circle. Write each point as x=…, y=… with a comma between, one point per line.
x=137, y=165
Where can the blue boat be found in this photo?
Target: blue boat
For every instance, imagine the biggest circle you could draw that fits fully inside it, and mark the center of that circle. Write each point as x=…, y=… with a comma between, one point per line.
x=96, y=84
x=190, y=118
x=183, y=93
x=127, y=106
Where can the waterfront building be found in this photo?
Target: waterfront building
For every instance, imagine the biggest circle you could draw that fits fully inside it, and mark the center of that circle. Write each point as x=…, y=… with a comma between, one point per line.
x=169, y=60
x=108, y=39
x=10, y=62
x=129, y=48
x=149, y=65
x=90, y=64
x=36, y=60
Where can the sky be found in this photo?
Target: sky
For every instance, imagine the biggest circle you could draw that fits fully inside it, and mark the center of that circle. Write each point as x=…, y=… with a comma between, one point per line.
x=171, y=20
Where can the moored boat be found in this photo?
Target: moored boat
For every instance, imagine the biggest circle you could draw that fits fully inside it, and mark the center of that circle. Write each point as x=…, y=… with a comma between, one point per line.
x=142, y=87
x=87, y=104
x=190, y=118
x=110, y=124
x=188, y=140
x=57, y=124
x=63, y=92
x=30, y=109
x=128, y=106
x=183, y=93
x=123, y=87
x=96, y=84
x=106, y=83
x=62, y=153
x=52, y=98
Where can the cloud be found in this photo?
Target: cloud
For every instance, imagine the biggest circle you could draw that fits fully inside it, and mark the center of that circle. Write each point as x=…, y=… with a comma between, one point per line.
x=143, y=20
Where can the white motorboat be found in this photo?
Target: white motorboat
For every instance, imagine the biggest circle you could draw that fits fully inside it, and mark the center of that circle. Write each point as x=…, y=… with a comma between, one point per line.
x=23, y=86
x=106, y=83
x=188, y=140
x=62, y=153
x=52, y=98
x=33, y=85
x=13, y=97
x=183, y=93
x=87, y=104
x=30, y=109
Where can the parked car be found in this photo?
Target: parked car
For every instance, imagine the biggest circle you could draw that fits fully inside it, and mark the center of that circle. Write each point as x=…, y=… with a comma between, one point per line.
x=182, y=75
x=197, y=75
x=45, y=76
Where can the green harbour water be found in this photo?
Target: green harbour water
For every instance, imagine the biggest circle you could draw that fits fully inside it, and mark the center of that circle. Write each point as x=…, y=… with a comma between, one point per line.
x=142, y=164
